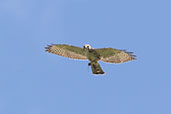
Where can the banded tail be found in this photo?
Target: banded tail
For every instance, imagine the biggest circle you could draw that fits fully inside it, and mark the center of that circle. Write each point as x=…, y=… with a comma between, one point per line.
x=96, y=69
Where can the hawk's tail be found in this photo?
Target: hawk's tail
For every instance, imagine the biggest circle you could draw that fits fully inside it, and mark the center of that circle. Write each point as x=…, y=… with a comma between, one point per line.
x=96, y=69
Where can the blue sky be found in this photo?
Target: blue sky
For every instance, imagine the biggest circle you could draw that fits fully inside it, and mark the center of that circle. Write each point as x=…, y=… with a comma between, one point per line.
x=35, y=82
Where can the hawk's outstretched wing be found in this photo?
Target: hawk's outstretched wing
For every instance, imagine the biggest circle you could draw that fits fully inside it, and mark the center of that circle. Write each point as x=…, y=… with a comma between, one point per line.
x=114, y=55
x=69, y=51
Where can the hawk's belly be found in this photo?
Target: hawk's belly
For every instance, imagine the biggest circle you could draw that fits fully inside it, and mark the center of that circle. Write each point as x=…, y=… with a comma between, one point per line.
x=93, y=55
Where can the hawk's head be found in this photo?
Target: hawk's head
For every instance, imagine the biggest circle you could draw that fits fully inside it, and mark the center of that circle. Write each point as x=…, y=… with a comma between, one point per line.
x=87, y=46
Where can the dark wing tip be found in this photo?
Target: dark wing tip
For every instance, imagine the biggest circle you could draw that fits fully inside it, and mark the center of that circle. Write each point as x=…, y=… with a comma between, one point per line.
x=49, y=47
x=133, y=57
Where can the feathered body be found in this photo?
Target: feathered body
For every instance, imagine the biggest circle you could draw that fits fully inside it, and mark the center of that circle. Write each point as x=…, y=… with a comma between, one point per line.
x=110, y=55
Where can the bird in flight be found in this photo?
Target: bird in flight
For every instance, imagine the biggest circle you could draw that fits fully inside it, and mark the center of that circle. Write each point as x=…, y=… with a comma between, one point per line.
x=109, y=55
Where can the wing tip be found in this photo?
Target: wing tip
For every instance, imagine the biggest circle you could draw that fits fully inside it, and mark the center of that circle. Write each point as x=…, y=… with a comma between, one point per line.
x=48, y=47
x=133, y=57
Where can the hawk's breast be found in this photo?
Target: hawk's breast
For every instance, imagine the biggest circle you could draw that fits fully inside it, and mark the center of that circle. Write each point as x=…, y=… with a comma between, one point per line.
x=93, y=55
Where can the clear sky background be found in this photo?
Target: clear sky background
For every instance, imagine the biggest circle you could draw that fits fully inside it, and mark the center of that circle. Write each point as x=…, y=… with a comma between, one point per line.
x=35, y=82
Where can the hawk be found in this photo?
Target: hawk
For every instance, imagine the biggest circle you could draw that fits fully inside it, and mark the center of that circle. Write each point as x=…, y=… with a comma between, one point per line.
x=109, y=55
